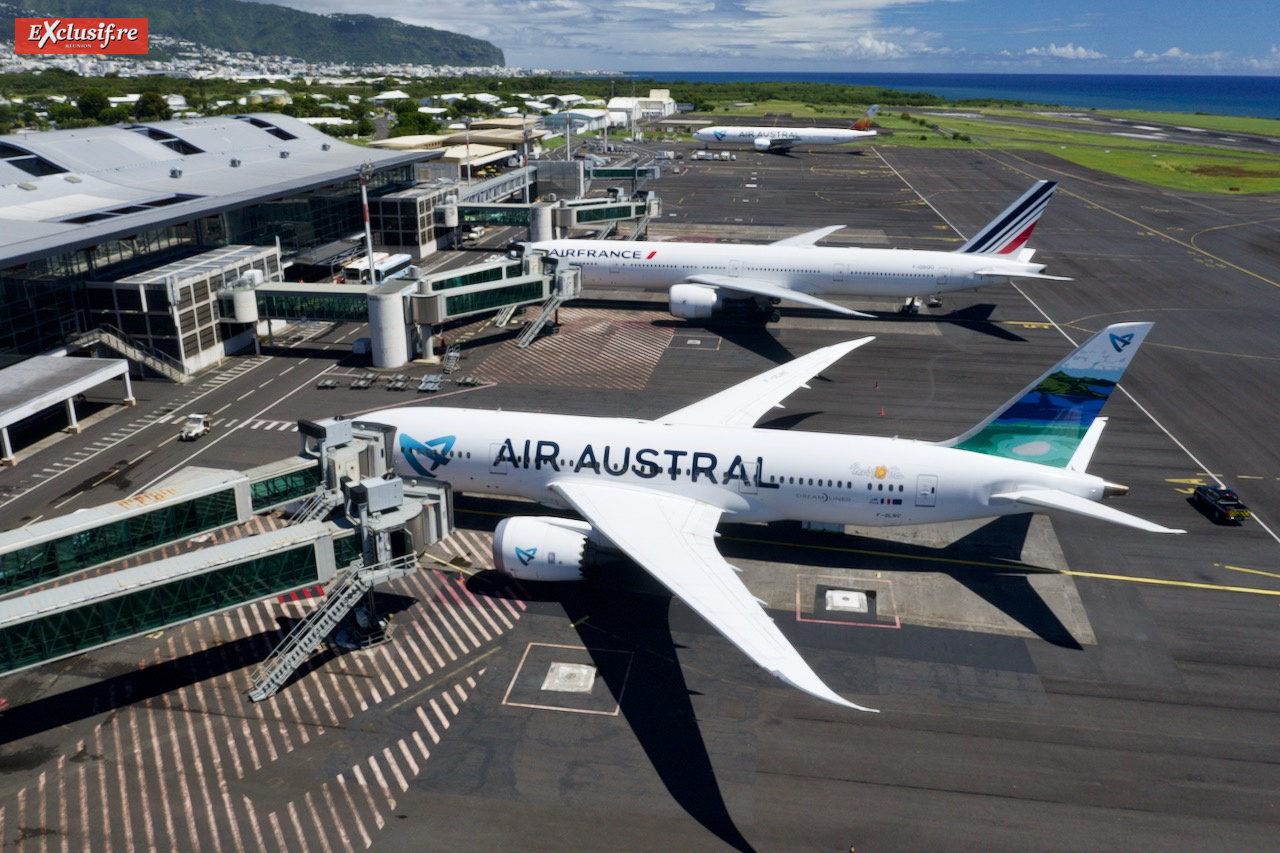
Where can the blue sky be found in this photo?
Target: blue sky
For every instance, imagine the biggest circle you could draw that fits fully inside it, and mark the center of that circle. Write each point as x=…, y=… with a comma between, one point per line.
x=976, y=36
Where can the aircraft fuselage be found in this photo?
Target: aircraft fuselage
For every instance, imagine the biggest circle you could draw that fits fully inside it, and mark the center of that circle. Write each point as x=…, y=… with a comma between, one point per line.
x=896, y=273
x=753, y=474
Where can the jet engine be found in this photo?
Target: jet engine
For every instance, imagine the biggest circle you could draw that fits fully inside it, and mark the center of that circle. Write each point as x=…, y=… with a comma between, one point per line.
x=542, y=548
x=694, y=301
x=762, y=144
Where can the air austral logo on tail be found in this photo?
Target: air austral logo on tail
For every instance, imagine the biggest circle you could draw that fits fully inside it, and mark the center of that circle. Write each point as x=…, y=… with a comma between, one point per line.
x=435, y=450
x=1120, y=341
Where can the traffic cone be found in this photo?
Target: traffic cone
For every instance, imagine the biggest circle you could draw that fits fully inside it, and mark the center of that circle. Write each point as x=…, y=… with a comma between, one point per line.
x=882, y=411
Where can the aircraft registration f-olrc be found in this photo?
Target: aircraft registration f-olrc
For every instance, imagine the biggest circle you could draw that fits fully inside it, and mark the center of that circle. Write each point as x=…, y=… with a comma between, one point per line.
x=783, y=138
x=702, y=276
x=656, y=489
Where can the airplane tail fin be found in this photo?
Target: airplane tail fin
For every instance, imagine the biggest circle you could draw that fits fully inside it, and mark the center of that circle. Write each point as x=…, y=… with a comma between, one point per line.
x=1051, y=420
x=1006, y=234
x=864, y=123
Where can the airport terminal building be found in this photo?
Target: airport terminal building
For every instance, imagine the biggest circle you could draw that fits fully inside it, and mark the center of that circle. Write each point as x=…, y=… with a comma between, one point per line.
x=99, y=226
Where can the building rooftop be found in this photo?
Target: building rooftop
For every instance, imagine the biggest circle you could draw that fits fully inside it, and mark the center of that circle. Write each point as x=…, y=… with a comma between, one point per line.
x=68, y=189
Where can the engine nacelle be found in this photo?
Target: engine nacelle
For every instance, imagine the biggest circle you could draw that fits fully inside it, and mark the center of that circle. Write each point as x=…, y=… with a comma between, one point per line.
x=762, y=144
x=694, y=301
x=541, y=548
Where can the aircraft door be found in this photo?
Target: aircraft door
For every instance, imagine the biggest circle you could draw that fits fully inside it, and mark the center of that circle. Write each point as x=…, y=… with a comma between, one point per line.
x=927, y=490
x=943, y=278
x=495, y=453
x=837, y=272
x=735, y=269
x=751, y=486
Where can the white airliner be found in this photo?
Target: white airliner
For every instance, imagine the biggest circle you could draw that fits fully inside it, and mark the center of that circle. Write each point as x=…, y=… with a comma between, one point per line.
x=783, y=138
x=701, y=276
x=656, y=489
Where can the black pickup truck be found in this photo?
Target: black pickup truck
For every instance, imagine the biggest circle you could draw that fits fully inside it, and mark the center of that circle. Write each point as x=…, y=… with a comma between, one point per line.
x=1221, y=503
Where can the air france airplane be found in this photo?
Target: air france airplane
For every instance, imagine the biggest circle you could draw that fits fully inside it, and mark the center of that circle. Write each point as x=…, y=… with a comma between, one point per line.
x=656, y=489
x=783, y=138
x=701, y=276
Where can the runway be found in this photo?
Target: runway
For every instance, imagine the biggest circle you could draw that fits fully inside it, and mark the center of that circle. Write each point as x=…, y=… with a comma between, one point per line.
x=1044, y=682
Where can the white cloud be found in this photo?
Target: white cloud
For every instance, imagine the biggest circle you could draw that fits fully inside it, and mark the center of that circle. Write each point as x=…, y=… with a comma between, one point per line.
x=1066, y=51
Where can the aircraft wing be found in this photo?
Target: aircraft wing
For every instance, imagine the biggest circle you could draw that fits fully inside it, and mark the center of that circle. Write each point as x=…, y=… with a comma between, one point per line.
x=772, y=291
x=1053, y=499
x=745, y=403
x=672, y=537
x=808, y=238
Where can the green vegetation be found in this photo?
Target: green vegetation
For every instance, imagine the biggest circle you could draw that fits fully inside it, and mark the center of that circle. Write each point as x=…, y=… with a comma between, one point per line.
x=1180, y=167
x=905, y=119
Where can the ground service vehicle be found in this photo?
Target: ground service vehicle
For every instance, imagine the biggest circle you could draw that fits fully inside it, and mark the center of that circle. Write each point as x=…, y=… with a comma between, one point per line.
x=195, y=426
x=1221, y=503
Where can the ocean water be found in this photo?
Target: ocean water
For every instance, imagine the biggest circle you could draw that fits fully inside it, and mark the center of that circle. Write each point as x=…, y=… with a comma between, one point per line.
x=1218, y=95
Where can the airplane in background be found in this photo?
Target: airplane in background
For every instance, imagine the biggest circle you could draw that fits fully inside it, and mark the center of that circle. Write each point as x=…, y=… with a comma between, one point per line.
x=783, y=138
x=702, y=276
x=655, y=490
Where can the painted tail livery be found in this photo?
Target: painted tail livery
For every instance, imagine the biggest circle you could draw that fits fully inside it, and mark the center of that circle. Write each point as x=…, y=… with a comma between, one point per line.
x=864, y=123
x=1008, y=232
x=1047, y=421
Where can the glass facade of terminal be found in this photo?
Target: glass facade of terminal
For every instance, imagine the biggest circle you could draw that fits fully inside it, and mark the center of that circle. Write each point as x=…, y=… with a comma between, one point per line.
x=44, y=302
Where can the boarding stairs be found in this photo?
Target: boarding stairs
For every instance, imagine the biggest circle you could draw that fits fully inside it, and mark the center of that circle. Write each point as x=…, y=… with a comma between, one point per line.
x=316, y=507
x=345, y=594
x=114, y=339
x=505, y=315
x=568, y=286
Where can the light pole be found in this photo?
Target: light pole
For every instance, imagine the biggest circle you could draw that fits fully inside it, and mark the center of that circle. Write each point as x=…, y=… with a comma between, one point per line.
x=366, y=169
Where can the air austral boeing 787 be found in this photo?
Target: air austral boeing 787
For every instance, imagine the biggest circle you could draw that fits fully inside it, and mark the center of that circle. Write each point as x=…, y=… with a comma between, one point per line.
x=701, y=276
x=656, y=489
x=783, y=138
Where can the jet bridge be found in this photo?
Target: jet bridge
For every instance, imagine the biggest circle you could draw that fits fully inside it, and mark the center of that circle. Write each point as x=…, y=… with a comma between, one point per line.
x=77, y=594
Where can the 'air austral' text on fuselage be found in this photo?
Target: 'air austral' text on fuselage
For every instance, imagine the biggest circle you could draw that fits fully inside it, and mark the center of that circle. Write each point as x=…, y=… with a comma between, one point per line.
x=644, y=462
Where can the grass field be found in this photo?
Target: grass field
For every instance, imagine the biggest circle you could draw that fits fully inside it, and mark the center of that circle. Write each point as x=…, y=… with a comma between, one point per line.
x=1206, y=168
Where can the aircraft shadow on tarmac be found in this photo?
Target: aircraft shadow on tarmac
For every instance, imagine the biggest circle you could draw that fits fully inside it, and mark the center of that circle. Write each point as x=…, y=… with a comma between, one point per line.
x=628, y=611
x=1000, y=541
x=622, y=608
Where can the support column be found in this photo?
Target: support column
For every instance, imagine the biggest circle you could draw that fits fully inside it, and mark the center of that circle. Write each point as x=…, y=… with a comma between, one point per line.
x=129, y=399
x=8, y=459
x=73, y=425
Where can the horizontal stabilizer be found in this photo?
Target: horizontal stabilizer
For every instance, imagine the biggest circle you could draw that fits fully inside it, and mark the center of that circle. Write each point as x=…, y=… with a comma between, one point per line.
x=1005, y=273
x=1084, y=453
x=1052, y=499
x=770, y=290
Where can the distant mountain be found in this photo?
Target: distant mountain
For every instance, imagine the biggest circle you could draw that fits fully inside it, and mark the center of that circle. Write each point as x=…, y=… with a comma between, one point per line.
x=234, y=25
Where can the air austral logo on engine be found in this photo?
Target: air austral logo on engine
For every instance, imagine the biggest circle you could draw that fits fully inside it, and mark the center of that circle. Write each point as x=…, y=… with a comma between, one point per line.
x=436, y=450
x=604, y=254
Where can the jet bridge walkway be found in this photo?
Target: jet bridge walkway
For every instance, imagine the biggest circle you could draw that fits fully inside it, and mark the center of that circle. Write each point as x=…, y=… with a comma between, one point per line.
x=64, y=589
x=58, y=547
